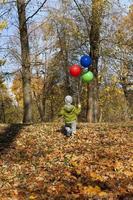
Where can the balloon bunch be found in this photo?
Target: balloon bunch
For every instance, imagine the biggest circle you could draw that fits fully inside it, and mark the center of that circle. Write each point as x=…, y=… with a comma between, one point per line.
x=76, y=70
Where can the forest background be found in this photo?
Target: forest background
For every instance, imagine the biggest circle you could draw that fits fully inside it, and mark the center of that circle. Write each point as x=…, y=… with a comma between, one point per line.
x=40, y=40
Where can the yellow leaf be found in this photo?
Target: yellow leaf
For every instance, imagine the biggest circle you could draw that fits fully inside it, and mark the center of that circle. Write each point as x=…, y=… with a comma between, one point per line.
x=95, y=176
x=78, y=171
x=79, y=185
x=3, y=25
x=118, y=166
x=92, y=190
x=128, y=173
x=102, y=194
x=31, y=197
x=74, y=164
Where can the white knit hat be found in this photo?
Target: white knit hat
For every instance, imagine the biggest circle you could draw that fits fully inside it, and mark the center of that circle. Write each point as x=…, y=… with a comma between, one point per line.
x=68, y=99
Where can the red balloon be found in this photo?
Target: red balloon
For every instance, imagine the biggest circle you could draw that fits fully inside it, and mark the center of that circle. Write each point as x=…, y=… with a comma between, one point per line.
x=75, y=70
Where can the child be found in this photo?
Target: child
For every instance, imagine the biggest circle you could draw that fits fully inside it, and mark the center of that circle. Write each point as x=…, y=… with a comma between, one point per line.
x=70, y=113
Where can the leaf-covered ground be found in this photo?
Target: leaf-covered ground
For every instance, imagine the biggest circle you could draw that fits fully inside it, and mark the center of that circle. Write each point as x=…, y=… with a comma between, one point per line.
x=38, y=162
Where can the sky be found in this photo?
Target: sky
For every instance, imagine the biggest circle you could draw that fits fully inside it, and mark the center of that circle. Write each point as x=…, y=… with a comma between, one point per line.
x=10, y=32
x=126, y=2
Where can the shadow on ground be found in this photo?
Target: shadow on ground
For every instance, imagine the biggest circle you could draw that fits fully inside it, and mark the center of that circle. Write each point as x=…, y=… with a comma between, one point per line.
x=8, y=135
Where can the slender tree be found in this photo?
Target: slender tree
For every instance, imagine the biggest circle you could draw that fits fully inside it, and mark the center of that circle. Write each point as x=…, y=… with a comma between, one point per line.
x=25, y=55
x=93, y=24
x=96, y=22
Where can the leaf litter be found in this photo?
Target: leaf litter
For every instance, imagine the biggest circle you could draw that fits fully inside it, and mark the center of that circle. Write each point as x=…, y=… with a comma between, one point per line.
x=41, y=163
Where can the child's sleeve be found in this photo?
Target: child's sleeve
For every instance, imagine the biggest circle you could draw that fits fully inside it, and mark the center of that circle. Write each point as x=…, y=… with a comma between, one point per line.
x=61, y=113
x=77, y=110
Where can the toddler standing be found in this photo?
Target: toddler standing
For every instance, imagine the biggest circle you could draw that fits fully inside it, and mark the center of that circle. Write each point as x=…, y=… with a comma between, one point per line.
x=70, y=114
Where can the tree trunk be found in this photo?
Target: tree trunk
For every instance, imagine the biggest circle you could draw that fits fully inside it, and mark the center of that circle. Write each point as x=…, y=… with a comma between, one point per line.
x=44, y=104
x=39, y=107
x=25, y=55
x=3, y=116
x=64, y=54
x=128, y=92
x=52, y=109
x=92, y=97
x=89, y=111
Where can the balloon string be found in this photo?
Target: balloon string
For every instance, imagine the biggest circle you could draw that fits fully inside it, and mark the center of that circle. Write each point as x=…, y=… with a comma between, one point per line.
x=78, y=92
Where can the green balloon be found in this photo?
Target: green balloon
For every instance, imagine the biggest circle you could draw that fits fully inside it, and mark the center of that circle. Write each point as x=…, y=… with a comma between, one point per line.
x=87, y=77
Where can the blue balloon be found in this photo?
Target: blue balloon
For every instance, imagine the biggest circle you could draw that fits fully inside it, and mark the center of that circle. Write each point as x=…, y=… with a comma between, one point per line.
x=85, y=61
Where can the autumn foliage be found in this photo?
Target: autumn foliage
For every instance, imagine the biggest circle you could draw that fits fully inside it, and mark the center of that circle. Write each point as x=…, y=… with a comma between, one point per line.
x=38, y=162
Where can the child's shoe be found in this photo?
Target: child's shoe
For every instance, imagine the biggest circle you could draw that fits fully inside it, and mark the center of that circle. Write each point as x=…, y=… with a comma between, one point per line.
x=68, y=131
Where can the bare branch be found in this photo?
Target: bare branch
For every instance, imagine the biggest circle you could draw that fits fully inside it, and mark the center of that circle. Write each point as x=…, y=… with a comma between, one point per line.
x=86, y=22
x=11, y=73
x=5, y=13
x=36, y=11
x=27, y=3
